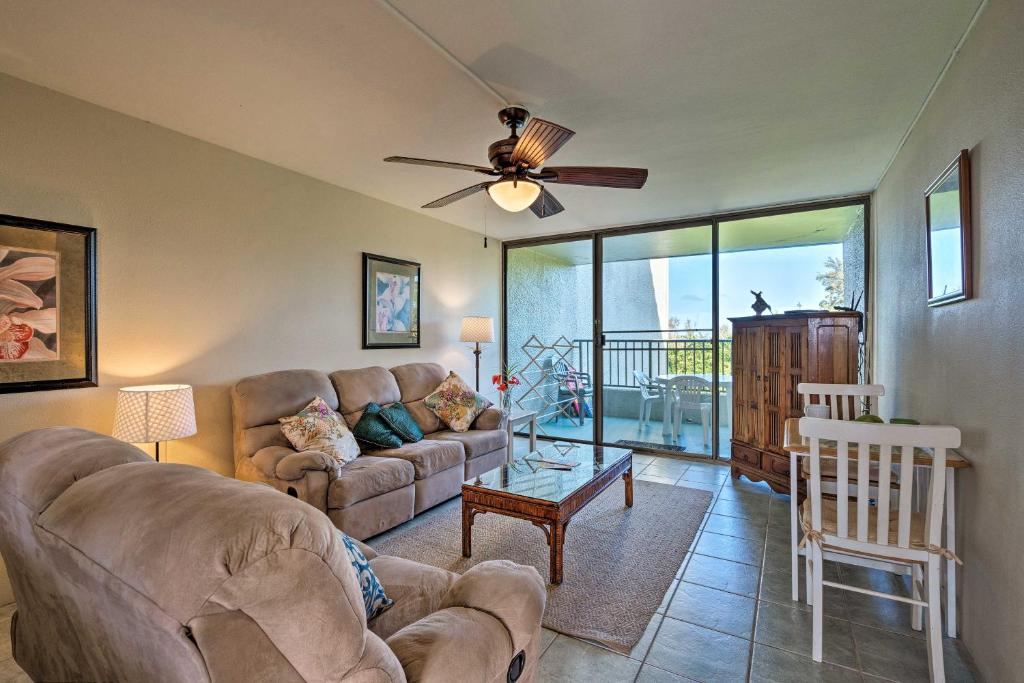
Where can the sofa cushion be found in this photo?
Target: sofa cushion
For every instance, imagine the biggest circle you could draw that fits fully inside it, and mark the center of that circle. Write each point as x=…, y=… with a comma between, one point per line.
x=417, y=380
x=373, y=431
x=456, y=403
x=358, y=387
x=375, y=600
x=475, y=442
x=401, y=422
x=261, y=399
x=318, y=428
x=366, y=477
x=417, y=590
x=428, y=456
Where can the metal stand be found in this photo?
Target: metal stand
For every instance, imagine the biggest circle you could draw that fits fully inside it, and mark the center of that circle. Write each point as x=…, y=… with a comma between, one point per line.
x=476, y=352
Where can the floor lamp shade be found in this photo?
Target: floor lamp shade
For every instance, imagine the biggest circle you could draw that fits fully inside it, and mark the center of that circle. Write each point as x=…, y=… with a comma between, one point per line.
x=477, y=328
x=154, y=413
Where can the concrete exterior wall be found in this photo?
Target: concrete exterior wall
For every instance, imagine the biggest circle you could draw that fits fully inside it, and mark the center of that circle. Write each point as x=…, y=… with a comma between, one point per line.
x=961, y=364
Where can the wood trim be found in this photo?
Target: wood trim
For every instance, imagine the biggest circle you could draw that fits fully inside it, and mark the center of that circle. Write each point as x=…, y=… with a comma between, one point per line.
x=966, y=256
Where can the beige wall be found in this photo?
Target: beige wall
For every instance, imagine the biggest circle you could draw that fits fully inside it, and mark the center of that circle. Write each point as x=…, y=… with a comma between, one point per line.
x=213, y=266
x=962, y=364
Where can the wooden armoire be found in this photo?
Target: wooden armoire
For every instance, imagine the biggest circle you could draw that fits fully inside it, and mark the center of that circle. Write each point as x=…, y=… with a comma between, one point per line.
x=770, y=355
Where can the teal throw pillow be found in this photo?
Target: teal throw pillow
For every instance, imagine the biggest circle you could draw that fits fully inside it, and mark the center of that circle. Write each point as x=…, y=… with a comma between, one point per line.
x=401, y=422
x=373, y=430
x=375, y=600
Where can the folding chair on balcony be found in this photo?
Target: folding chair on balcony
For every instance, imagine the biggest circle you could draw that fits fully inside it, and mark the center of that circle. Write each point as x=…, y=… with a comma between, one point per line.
x=574, y=391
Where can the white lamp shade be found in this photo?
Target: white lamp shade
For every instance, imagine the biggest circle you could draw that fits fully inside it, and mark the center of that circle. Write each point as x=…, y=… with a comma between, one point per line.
x=157, y=412
x=477, y=328
x=514, y=195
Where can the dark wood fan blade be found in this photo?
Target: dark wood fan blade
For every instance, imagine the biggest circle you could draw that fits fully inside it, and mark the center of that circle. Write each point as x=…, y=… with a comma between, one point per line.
x=441, y=164
x=456, y=196
x=539, y=141
x=598, y=176
x=546, y=205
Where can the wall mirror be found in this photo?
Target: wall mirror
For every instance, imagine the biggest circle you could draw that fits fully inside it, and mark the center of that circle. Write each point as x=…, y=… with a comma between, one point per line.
x=947, y=205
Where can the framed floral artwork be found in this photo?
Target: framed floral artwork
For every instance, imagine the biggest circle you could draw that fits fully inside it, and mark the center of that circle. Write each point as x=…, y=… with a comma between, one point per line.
x=391, y=303
x=47, y=305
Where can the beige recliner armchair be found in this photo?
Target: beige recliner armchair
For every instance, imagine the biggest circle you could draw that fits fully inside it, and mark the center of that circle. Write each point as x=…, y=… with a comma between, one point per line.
x=128, y=570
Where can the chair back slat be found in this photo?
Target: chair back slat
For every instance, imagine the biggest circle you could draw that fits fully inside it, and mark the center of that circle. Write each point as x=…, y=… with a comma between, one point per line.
x=869, y=437
x=863, y=489
x=841, y=398
x=907, y=479
x=842, y=488
x=884, y=483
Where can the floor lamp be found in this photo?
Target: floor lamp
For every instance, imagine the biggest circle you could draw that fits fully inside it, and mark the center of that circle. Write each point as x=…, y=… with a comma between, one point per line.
x=154, y=413
x=477, y=329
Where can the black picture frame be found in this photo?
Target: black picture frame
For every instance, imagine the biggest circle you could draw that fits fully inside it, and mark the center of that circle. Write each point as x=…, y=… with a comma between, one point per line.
x=372, y=338
x=88, y=376
x=960, y=169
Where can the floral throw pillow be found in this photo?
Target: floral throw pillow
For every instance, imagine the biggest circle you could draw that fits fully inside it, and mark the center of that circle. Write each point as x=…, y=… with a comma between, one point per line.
x=456, y=403
x=318, y=428
x=375, y=600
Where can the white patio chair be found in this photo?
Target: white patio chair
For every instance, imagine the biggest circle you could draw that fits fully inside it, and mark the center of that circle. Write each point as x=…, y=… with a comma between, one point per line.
x=689, y=392
x=650, y=393
x=844, y=401
x=879, y=533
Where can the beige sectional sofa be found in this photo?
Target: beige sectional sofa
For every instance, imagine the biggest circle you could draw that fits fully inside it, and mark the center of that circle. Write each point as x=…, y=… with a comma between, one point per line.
x=125, y=569
x=381, y=488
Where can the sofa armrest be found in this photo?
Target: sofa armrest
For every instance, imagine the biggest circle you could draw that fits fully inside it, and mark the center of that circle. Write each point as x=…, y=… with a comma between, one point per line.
x=512, y=593
x=279, y=462
x=491, y=418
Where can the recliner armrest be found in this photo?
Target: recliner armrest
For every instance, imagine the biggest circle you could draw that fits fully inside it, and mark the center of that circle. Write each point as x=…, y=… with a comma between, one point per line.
x=491, y=418
x=285, y=463
x=512, y=593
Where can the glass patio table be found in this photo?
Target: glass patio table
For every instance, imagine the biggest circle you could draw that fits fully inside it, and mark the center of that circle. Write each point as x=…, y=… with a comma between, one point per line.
x=546, y=497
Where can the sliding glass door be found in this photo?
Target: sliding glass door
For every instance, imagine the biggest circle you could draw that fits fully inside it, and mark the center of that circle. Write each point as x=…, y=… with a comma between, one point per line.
x=622, y=336
x=549, y=327
x=657, y=340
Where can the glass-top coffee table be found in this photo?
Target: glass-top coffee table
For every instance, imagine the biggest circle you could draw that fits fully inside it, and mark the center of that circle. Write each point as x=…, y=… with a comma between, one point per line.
x=546, y=497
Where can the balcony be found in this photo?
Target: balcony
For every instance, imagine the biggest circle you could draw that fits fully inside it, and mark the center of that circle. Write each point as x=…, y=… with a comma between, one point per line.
x=558, y=381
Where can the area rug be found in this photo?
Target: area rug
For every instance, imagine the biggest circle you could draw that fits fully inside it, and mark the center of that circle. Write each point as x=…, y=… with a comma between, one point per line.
x=618, y=562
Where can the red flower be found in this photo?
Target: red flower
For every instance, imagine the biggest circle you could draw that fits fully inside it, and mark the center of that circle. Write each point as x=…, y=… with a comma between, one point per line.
x=513, y=380
x=495, y=379
x=503, y=387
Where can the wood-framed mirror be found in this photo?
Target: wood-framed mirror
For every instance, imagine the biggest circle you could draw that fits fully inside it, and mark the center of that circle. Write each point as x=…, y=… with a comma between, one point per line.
x=947, y=210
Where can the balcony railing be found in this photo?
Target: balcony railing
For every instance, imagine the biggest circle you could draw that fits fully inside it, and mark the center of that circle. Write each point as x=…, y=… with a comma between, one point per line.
x=657, y=354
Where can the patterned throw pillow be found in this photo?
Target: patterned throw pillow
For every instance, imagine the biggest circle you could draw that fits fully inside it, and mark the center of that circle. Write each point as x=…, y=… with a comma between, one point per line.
x=456, y=403
x=374, y=431
x=375, y=600
x=318, y=428
x=401, y=422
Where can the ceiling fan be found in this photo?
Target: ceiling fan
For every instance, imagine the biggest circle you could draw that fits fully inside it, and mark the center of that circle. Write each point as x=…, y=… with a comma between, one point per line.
x=516, y=162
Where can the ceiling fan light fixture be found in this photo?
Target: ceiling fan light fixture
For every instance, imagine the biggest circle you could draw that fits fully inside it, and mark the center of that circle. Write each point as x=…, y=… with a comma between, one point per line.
x=514, y=194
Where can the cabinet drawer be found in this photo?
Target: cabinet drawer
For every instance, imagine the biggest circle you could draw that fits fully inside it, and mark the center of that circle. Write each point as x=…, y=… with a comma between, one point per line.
x=746, y=454
x=777, y=464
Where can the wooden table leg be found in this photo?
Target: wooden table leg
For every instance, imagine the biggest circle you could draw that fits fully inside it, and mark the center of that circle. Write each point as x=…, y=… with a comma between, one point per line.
x=627, y=477
x=556, y=542
x=467, y=529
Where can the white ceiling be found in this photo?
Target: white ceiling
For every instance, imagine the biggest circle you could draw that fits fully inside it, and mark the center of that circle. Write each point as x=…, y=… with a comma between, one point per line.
x=729, y=103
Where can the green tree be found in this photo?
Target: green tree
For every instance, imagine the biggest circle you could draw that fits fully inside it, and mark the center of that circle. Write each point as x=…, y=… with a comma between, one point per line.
x=833, y=281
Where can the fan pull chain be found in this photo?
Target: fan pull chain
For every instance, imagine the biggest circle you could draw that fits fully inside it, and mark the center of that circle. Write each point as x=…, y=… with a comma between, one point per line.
x=485, y=219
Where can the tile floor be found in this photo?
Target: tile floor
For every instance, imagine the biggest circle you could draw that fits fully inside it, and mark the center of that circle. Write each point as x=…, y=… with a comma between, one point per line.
x=729, y=616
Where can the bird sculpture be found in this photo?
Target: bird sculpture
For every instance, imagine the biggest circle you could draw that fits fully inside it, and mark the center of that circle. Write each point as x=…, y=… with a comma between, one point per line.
x=760, y=305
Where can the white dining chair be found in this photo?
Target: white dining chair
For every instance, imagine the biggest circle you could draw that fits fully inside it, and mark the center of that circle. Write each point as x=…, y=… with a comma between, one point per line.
x=650, y=393
x=879, y=532
x=689, y=392
x=843, y=401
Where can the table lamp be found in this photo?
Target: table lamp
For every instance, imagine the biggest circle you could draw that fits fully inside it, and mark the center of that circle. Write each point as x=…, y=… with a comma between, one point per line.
x=154, y=413
x=478, y=329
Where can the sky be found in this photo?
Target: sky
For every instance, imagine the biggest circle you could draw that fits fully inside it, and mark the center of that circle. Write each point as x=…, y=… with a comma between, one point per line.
x=784, y=276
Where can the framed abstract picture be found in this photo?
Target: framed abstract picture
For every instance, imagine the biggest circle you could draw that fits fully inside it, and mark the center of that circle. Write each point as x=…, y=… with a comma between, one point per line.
x=47, y=305
x=391, y=303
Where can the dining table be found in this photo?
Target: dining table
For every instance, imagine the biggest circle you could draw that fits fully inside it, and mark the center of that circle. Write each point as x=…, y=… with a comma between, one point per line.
x=799, y=447
x=724, y=383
